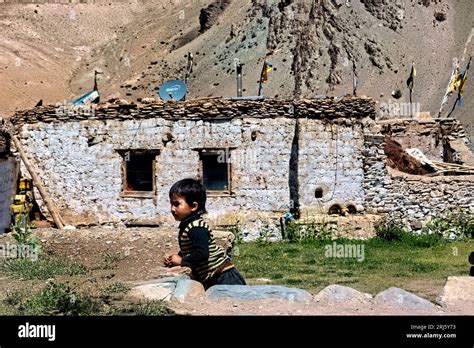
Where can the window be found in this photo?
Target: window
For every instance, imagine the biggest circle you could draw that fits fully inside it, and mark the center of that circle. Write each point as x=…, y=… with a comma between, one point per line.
x=215, y=170
x=138, y=172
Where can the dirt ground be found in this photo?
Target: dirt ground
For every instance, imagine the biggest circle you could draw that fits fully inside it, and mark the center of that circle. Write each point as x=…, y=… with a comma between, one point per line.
x=138, y=253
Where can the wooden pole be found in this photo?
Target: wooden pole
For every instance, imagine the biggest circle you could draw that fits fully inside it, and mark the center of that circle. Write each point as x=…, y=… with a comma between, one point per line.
x=55, y=215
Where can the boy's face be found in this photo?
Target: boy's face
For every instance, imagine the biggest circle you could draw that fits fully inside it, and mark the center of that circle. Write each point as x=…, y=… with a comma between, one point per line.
x=180, y=209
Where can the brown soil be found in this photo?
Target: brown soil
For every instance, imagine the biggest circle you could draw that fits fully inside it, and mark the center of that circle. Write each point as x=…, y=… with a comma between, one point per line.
x=397, y=158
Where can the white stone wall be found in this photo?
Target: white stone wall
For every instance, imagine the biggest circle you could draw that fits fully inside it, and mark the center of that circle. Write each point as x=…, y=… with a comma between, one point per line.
x=81, y=168
x=330, y=158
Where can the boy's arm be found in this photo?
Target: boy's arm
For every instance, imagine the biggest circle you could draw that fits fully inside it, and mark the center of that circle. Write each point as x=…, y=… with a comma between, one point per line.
x=199, y=237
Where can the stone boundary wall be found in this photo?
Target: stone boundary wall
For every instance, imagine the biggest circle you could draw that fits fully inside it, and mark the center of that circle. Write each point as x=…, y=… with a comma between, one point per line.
x=416, y=198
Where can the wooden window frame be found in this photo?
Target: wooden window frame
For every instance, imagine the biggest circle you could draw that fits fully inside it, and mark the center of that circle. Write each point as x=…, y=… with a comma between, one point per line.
x=216, y=152
x=123, y=174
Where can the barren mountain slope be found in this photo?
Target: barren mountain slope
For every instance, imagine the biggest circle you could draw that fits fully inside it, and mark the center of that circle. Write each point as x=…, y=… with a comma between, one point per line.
x=51, y=54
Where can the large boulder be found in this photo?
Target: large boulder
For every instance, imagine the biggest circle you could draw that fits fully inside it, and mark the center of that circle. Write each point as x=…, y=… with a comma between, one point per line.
x=338, y=293
x=400, y=298
x=258, y=292
x=457, y=291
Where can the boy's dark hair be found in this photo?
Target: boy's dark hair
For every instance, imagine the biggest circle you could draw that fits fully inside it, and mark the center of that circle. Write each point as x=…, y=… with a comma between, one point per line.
x=192, y=191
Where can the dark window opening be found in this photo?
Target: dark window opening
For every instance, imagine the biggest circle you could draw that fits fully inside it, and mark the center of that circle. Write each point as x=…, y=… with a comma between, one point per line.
x=318, y=193
x=215, y=170
x=139, y=171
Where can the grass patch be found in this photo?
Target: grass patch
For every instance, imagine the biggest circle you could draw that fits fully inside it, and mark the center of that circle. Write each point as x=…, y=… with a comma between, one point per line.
x=117, y=287
x=43, y=268
x=111, y=260
x=53, y=299
x=150, y=308
x=413, y=266
x=61, y=299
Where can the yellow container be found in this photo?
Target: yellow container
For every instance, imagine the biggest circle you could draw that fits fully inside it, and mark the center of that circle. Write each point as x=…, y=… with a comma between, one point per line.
x=25, y=184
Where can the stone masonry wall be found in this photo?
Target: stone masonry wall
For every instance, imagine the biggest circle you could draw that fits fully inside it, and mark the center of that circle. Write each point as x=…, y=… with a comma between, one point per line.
x=80, y=165
x=331, y=159
x=415, y=198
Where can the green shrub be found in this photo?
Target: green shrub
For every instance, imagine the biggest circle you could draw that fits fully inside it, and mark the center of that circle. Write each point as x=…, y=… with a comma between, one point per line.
x=308, y=232
x=264, y=234
x=118, y=287
x=111, y=260
x=390, y=228
x=456, y=224
x=422, y=240
x=24, y=236
x=237, y=232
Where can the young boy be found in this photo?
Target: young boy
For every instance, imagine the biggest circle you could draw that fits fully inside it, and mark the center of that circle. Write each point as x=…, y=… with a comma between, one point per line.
x=209, y=263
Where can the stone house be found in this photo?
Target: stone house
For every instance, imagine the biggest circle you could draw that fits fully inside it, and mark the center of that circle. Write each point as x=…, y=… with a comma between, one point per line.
x=258, y=159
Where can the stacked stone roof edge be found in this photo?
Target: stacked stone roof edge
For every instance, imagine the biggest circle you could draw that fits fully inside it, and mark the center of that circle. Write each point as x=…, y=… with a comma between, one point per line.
x=208, y=109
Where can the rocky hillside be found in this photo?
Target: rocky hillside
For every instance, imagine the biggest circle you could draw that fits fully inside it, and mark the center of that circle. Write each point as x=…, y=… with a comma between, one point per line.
x=49, y=51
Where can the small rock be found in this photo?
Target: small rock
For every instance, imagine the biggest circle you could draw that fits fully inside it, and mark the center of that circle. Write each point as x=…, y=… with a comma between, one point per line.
x=397, y=94
x=416, y=225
